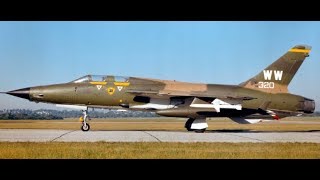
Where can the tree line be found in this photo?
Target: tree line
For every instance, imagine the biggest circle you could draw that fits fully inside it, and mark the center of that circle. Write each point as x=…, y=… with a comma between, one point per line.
x=47, y=114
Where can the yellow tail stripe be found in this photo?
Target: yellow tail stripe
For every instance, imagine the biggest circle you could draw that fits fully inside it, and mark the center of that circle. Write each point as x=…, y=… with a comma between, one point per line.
x=98, y=83
x=121, y=83
x=300, y=50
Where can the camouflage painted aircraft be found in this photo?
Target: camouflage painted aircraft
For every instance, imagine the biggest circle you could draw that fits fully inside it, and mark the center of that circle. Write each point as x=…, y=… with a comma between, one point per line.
x=263, y=97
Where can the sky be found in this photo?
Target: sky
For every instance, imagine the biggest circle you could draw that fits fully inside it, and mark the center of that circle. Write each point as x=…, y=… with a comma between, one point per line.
x=216, y=52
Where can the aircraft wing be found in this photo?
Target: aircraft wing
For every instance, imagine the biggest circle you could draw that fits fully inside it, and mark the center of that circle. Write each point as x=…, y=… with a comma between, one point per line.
x=198, y=99
x=184, y=94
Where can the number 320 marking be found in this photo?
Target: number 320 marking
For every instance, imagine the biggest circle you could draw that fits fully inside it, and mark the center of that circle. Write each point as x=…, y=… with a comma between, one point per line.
x=266, y=85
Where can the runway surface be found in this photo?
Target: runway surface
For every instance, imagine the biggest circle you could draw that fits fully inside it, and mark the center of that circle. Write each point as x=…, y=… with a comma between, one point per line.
x=32, y=135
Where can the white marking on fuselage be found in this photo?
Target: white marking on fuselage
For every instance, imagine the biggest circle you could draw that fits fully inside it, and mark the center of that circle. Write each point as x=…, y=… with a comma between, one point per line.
x=152, y=106
x=267, y=74
x=155, y=104
x=266, y=85
x=99, y=87
x=268, y=77
x=119, y=88
x=278, y=75
x=218, y=104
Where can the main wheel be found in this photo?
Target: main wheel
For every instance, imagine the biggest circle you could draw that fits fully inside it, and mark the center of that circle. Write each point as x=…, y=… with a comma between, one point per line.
x=200, y=130
x=188, y=124
x=85, y=127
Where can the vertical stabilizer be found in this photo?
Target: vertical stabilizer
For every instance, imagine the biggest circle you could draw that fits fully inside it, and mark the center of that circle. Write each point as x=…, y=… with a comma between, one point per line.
x=277, y=76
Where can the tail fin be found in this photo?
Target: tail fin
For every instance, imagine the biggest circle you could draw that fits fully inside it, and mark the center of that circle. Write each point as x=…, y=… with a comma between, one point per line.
x=276, y=77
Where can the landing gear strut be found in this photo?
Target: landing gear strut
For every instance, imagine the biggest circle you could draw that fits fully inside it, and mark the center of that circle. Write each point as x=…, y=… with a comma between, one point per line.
x=196, y=125
x=85, y=126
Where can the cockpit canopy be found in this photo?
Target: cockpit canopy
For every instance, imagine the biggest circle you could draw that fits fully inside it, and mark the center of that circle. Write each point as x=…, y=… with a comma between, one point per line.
x=101, y=78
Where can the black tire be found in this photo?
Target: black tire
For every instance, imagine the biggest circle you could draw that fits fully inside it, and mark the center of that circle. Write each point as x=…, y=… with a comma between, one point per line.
x=200, y=130
x=87, y=128
x=188, y=124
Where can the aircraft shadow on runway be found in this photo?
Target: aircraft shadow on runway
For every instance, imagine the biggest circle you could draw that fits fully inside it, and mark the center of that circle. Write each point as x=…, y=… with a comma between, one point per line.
x=254, y=131
x=224, y=131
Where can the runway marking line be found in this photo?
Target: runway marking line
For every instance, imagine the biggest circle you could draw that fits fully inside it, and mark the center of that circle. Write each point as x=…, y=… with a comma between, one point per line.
x=62, y=135
x=152, y=136
x=248, y=138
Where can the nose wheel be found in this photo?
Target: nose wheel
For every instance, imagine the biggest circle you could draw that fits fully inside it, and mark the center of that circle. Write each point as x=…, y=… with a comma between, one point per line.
x=85, y=126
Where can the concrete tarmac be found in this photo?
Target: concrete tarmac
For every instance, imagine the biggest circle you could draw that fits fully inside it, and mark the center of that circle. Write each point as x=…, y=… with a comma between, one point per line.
x=37, y=135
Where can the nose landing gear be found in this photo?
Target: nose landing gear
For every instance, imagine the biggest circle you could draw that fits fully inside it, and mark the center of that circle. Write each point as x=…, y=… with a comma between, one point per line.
x=85, y=126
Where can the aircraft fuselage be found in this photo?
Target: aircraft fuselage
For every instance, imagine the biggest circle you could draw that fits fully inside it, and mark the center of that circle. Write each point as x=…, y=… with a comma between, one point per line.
x=119, y=94
x=262, y=97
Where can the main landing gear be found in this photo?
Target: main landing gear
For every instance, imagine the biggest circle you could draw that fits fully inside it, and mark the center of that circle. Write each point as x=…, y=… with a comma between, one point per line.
x=196, y=125
x=85, y=126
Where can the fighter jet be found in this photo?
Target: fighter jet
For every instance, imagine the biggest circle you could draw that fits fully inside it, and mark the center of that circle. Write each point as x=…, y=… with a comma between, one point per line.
x=264, y=97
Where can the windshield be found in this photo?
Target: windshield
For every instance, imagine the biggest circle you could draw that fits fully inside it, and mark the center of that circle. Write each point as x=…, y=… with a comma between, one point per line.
x=99, y=78
x=83, y=79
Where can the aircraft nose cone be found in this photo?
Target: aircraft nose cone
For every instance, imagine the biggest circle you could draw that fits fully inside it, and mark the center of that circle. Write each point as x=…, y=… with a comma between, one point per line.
x=22, y=93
